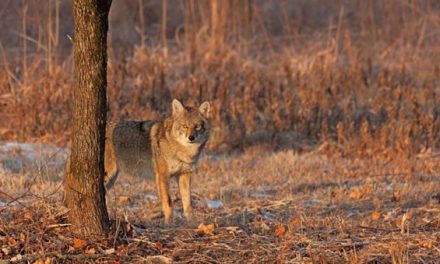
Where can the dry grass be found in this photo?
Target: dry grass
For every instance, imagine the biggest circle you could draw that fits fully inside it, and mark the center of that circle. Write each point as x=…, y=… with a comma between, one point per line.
x=363, y=75
x=325, y=141
x=277, y=207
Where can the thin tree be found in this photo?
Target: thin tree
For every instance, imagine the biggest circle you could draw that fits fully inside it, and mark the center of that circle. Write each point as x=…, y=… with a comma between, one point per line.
x=84, y=184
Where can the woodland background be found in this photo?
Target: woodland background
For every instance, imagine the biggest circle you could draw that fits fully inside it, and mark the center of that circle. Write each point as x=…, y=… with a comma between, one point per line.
x=325, y=128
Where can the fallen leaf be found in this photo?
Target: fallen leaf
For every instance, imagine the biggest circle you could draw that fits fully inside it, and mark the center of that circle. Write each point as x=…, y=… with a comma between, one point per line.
x=27, y=215
x=377, y=202
x=6, y=251
x=411, y=174
x=396, y=196
x=124, y=200
x=22, y=237
x=280, y=230
x=17, y=258
x=70, y=249
x=79, y=243
x=375, y=215
x=158, y=259
x=212, y=196
x=235, y=197
x=159, y=246
x=128, y=228
x=122, y=250
x=262, y=226
x=109, y=251
x=206, y=229
x=12, y=241
x=295, y=221
x=356, y=194
x=40, y=261
x=232, y=229
x=90, y=251
x=427, y=244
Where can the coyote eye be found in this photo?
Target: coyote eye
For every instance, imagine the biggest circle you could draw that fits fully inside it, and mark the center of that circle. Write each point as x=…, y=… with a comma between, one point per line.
x=199, y=126
x=184, y=126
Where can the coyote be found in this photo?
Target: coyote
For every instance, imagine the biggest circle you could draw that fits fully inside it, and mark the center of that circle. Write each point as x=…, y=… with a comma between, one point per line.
x=168, y=148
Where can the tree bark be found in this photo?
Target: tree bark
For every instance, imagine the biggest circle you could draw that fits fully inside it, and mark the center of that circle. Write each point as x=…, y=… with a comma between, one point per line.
x=84, y=184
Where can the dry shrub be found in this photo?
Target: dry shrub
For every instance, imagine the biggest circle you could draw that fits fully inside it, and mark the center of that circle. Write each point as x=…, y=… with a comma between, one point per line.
x=291, y=74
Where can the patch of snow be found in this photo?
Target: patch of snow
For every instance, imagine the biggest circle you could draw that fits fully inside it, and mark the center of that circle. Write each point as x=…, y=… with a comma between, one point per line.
x=269, y=216
x=150, y=197
x=310, y=202
x=389, y=187
x=261, y=195
x=16, y=157
x=214, y=204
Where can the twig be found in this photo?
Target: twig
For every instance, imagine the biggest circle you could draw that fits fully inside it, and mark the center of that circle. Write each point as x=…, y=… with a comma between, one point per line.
x=31, y=258
x=140, y=240
x=49, y=227
x=379, y=229
x=16, y=199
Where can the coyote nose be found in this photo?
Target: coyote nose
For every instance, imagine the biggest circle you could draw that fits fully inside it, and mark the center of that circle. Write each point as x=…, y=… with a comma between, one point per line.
x=191, y=138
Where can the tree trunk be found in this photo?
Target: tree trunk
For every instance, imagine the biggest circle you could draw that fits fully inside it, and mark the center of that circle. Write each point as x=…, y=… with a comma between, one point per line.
x=84, y=184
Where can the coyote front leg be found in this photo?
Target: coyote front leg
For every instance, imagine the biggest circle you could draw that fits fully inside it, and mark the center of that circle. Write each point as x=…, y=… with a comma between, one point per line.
x=185, y=193
x=162, y=183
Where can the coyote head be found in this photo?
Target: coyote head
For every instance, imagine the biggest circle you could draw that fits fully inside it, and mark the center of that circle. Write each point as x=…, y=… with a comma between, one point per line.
x=191, y=124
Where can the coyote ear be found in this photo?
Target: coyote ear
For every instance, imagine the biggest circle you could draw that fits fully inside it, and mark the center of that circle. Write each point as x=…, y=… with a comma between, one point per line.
x=178, y=107
x=205, y=109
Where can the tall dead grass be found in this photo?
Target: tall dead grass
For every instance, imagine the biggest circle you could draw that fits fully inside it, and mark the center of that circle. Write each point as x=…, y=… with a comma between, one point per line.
x=360, y=76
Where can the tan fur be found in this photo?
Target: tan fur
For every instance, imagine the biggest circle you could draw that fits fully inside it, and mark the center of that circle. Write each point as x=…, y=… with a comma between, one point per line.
x=165, y=149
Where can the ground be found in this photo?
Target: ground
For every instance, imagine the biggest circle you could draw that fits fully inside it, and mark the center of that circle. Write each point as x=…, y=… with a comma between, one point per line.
x=255, y=206
x=324, y=145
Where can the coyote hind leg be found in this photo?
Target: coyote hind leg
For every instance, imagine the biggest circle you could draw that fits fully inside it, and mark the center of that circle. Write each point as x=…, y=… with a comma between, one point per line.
x=110, y=178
